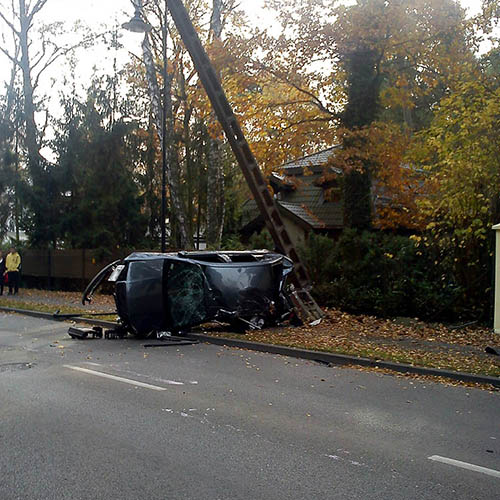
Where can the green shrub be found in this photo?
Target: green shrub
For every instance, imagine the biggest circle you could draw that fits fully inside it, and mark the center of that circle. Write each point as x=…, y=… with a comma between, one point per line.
x=232, y=242
x=263, y=240
x=383, y=274
x=318, y=257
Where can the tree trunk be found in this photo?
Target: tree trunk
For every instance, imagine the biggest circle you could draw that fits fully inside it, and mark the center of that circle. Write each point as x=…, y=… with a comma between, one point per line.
x=151, y=185
x=171, y=162
x=216, y=19
x=362, y=108
x=29, y=107
x=215, y=168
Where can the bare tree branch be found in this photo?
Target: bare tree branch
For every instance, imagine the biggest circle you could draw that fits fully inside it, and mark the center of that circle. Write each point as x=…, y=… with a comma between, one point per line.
x=13, y=73
x=289, y=103
x=13, y=59
x=315, y=100
x=37, y=8
x=9, y=24
x=60, y=52
x=228, y=8
x=309, y=120
x=45, y=125
x=39, y=57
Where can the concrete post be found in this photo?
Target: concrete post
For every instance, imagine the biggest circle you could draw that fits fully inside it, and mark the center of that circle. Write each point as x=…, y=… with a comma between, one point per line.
x=496, y=321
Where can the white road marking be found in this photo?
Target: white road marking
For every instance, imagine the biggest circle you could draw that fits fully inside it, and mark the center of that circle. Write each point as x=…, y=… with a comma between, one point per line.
x=114, y=377
x=156, y=379
x=465, y=465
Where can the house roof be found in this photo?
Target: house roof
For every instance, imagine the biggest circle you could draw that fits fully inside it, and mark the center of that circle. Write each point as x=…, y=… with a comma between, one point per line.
x=311, y=198
x=318, y=217
x=303, y=213
x=309, y=161
x=305, y=194
x=303, y=200
x=329, y=216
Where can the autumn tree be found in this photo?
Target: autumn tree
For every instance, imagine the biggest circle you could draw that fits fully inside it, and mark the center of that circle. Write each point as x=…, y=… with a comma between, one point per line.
x=362, y=108
x=20, y=24
x=155, y=48
x=375, y=60
x=10, y=124
x=198, y=159
x=460, y=155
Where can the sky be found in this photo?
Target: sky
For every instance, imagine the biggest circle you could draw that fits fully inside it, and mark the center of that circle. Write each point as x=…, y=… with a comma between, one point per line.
x=112, y=12
x=99, y=12
x=96, y=12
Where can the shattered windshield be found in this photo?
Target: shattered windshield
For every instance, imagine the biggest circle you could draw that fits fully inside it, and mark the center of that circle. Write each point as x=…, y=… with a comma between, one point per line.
x=185, y=294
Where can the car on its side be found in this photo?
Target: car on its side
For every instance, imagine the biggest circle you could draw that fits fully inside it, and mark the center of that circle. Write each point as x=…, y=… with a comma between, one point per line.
x=173, y=292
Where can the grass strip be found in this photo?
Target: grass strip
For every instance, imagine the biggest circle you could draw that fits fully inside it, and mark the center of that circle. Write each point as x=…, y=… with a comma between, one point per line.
x=51, y=309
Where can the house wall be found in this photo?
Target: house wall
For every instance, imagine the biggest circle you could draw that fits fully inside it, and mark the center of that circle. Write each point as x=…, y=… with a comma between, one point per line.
x=297, y=233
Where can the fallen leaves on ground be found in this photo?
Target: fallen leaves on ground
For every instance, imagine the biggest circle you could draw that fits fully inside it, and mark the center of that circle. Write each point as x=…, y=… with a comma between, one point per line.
x=403, y=340
x=52, y=301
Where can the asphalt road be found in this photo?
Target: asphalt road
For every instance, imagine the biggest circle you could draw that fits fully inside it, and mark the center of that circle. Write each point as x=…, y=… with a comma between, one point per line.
x=112, y=419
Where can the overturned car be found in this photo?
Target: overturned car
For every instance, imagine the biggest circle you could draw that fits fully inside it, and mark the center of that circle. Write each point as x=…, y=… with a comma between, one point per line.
x=157, y=292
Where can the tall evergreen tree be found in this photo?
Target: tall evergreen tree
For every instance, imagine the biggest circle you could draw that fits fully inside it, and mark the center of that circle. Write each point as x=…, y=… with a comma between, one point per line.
x=7, y=172
x=363, y=104
x=100, y=202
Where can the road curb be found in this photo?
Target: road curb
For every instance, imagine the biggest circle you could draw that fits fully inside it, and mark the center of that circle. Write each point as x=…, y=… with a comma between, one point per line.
x=50, y=316
x=346, y=360
x=318, y=356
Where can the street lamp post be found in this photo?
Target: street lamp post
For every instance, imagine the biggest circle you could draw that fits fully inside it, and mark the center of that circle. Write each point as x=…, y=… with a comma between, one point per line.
x=138, y=25
x=164, y=137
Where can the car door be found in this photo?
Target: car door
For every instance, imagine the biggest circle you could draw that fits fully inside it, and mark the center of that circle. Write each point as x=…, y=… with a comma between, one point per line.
x=144, y=297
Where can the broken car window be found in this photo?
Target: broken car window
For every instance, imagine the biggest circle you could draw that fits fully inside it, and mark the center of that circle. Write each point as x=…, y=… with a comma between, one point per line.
x=185, y=294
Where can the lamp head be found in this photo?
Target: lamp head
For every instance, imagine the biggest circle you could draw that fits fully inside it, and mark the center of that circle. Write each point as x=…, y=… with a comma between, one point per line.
x=137, y=23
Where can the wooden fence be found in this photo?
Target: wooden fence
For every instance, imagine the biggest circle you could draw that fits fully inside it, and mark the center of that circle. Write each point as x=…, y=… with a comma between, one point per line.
x=67, y=264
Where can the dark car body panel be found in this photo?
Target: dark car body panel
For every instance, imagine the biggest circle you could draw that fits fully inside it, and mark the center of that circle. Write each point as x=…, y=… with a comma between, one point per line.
x=143, y=304
x=175, y=291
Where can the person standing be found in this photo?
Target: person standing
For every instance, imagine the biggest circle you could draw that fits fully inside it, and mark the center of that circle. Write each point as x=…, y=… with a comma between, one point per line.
x=13, y=266
x=2, y=272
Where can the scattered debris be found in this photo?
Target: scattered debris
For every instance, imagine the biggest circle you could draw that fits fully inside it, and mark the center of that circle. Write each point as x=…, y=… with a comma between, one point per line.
x=169, y=340
x=83, y=333
x=115, y=333
x=173, y=344
x=57, y=314
x=96, y=332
